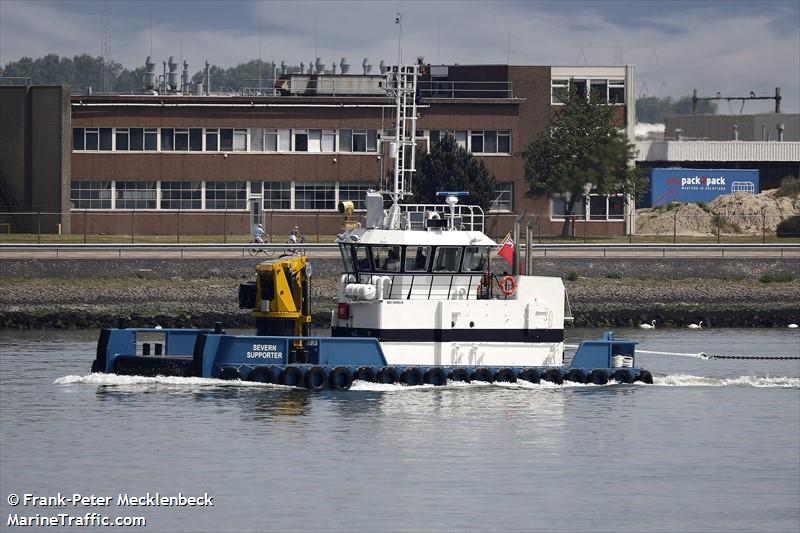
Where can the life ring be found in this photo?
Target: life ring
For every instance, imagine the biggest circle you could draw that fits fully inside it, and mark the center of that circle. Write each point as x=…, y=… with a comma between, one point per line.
x=508, y=285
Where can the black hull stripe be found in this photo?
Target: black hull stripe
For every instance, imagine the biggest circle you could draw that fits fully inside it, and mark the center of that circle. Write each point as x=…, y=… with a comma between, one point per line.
x=453, y=335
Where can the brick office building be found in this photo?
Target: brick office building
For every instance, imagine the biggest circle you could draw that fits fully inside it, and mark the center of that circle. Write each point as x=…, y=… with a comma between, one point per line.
x=213, y=164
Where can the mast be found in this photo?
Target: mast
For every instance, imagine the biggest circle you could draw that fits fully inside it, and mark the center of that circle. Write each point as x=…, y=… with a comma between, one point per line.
x=403, y=81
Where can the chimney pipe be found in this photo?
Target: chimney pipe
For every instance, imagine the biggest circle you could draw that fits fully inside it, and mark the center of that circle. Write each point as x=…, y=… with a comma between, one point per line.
x=735, y=132
x=780, y=132
x=777, y=99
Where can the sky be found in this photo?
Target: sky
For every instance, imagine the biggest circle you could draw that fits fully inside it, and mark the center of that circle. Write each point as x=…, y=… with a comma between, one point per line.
x=732, y=47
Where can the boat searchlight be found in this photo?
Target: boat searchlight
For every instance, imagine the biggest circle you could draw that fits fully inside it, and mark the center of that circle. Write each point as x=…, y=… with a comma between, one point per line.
x=451, y=199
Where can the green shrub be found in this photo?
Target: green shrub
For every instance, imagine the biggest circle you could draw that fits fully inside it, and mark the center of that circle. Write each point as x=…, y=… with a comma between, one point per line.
x=776, y=277
x=571, y=276
x=789, y=227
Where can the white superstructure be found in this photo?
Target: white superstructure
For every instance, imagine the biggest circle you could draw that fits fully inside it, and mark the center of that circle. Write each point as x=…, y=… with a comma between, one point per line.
x=418, y=277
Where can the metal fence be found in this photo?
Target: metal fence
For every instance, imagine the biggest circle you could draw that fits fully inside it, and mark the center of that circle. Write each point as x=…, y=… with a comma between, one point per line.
x=161, y=226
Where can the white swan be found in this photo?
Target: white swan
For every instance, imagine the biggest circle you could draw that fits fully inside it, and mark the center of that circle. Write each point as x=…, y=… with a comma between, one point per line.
x=793, y=326
x=696, y=326
x=652, y=325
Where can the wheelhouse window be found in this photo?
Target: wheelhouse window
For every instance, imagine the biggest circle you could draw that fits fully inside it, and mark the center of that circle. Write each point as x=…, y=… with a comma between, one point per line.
x=386, y=258
x=347, y=257
x=417, y=258
x=447, y=259
x=90, y=195
x=135, y=194
x=181, y=195
x=475, y=259
x=363, y=262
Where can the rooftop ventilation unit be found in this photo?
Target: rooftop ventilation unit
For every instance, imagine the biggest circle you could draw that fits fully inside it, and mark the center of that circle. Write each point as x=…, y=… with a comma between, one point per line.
x=345, y=65
x=172, y=83
x=149, y=81
x=366, y=66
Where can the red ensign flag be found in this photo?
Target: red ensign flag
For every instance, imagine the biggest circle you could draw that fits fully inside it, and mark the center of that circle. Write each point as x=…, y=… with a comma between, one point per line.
x=506, y=250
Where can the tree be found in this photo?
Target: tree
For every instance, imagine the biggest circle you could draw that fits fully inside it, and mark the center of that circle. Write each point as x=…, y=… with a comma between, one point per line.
x=580, y=151
x=449, y=167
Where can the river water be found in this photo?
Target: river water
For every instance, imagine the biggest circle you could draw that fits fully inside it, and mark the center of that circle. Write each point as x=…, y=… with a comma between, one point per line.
x=712, y=445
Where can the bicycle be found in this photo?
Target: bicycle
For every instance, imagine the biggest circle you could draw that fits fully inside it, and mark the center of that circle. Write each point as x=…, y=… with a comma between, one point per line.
x=295, y=251
x=269, y=252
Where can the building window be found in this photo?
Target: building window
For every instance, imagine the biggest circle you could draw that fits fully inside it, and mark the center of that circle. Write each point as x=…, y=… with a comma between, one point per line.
x=196, y=139
x=558, y=90
x=602, y=207
x=212, y=140
x=90, y=195
x=92, y=139
x=328, y=140
x=135, y=194
x=256, y=139
x=503, y=196
x=167, y=139
x=277, y=195
x=151, y=139
x=239, y=140
x=181, y=195
x=598, y=91
x=300, y=140
x=616, y=92
x=316, y=196
x=558, y=208
x=226, y=195
x=476, y=142
x=226, y=140
x=354, y=192
x=181, y=143
x=122, y=139
x=358, y=140
x=460, y=137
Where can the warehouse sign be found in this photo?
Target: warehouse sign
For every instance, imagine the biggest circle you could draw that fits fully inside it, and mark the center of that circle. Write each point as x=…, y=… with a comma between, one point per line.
x=699, y=185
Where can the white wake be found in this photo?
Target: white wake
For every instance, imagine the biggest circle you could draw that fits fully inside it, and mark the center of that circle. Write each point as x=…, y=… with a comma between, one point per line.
x=673, y=380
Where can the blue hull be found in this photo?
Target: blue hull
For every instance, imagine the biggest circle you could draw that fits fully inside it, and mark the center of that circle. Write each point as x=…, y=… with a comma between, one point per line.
x=330, y=362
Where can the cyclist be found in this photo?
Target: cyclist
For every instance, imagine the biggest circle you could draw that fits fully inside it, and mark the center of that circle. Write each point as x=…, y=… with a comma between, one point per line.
x=258, y=234
x=295, y=236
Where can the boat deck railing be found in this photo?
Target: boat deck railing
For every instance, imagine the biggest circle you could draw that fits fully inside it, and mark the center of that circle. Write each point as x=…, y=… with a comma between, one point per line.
x=466, y=217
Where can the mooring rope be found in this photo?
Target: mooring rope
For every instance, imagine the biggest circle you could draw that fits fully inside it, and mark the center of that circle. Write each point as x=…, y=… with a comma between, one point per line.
x=703, y=355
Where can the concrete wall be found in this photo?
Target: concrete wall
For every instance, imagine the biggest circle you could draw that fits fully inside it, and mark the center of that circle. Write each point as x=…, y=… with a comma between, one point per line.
x=35, y=155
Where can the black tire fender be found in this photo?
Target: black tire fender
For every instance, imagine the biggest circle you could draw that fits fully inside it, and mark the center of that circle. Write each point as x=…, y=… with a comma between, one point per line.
x=262, y=374
x=553, y=375
x=435, y=376
x=340, y=378
x=291, y=376
x=598, y=376
x=229, y=373
x=575, y=375
x=531, y=375
x=387, y=374
x=644, y=376
x=365, y=373
x=482, y=374
x=622, y=375
x=459, y=374
x=411, y=376
x=505, y=375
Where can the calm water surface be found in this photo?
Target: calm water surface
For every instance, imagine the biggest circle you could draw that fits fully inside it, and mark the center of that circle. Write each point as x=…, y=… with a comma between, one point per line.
x=713, y=445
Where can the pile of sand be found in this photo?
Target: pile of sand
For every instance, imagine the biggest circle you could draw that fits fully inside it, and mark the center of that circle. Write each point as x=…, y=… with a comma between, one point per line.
x=742, y=213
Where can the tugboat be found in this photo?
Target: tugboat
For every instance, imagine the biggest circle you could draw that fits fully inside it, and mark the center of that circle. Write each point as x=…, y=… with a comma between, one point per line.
x=418, y=303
